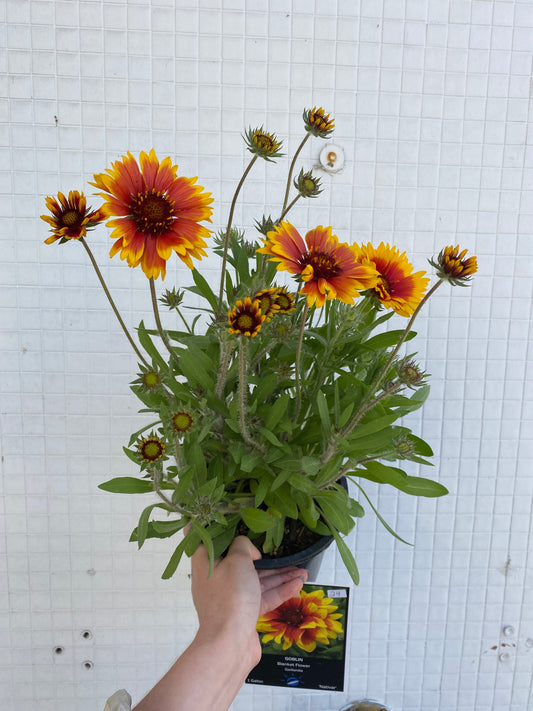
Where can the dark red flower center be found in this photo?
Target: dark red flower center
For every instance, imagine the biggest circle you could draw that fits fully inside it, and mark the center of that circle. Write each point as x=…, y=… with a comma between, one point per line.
x=325, y=266
x=71, y=219
x=293, y=617
x=153, y=213
x=264, y=141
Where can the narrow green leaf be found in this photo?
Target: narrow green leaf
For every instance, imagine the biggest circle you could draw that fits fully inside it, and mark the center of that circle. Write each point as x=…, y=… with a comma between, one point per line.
x=135, y=435
x=346, y=555
x=416, y=486
x=127, y=485
x=150, y=348
x=175, y=559
x=276, y=411
x=379, y=517
x=204, y=289
x=323, y=412
x=387, y=339
x=142, y=526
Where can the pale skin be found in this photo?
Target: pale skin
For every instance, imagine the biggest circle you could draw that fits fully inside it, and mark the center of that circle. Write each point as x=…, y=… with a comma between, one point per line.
x=209, y=674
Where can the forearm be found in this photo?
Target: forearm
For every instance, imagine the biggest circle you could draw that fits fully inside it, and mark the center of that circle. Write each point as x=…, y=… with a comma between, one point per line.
x=206, y=677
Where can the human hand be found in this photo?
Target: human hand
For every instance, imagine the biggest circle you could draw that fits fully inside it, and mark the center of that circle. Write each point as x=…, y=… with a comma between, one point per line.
x=230, y=601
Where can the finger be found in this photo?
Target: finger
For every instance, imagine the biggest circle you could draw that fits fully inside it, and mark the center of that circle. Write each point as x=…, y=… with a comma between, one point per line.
x=270, y=572
x=273, y=581
x=277, y=596
x=244, y=546
x=200, y=563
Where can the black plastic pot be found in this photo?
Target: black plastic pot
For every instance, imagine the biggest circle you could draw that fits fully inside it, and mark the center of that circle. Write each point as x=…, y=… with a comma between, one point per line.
x=310, y=558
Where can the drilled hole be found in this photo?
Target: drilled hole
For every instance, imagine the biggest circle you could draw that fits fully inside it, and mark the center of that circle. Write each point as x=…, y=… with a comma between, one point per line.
x=87, y=634
x=59, y=650
x=88, y=664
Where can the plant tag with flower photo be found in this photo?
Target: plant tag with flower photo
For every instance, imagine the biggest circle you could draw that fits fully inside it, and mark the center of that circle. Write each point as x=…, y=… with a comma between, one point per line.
x=304, y=641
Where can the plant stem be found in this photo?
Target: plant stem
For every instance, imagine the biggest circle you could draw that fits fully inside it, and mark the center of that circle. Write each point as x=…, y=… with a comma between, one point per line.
x=160, y=330
x=225, y=353
x=182, y=317
x=227, y=234
x=163, y=497
x=286, y=210
x=289, y=177
x=402, y=339
x=243, y=392
x=297, y=361
x=110, y=299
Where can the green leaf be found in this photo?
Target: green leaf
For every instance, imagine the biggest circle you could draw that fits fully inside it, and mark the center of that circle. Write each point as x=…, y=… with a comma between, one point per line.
x=150, y=348
x=164, y=529
x=127, y=485
x=276, y=411
x=416, y=486
x=192, y=364
x=271, y=437
x=311, y=465
x=335, y=511
x=203, y=288
x=175, y=559
x=257, y=520
x=346, y=555
x=323, y=412
x=345, y=415
x=207, y=541
x=142, y=527
x=265, y=388
x=303, y=483
x=368, y=428
x=380, y=518
x=135, y=435
x=387, y=339
x=250, y=461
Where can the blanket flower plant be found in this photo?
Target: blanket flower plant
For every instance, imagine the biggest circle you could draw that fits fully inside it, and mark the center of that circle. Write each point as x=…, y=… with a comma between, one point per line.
x=292, y=382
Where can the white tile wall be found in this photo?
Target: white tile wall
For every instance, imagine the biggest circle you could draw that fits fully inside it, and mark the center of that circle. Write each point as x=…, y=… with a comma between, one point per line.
x=432, y=100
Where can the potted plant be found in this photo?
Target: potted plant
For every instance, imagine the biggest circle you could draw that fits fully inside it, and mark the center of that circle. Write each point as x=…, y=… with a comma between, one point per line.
x=286, y=380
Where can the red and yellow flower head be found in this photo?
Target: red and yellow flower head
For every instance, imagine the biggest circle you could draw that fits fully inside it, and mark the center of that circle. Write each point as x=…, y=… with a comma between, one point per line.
x=304, y=621
x=397, y=287
x=328, y=267
x=70, y=217
x=154, y=211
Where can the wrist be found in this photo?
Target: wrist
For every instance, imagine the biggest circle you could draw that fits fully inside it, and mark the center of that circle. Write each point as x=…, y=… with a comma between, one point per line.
x=239, y=648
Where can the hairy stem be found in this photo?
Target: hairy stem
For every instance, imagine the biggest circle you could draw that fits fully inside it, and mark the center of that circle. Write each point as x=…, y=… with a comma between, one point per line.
x=157, y=488
x=289, y=207
x=227, y=234
x=182, y=317
x=160, y=329
x=225, y=354
x=243, y=392
x=289, y=177
x=297, y=360
x=113, y=306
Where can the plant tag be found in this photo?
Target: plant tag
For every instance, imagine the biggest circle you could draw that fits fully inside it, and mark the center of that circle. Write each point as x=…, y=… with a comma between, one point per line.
x=302, y=655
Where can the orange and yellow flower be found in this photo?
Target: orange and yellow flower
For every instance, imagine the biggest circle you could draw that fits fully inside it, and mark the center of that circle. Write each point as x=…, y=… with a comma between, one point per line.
x=397, y=288
x=328, y=268
x=246, y=319
x=267, y=302
x=155, y=212
x=70, y=217
x=304, y=621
